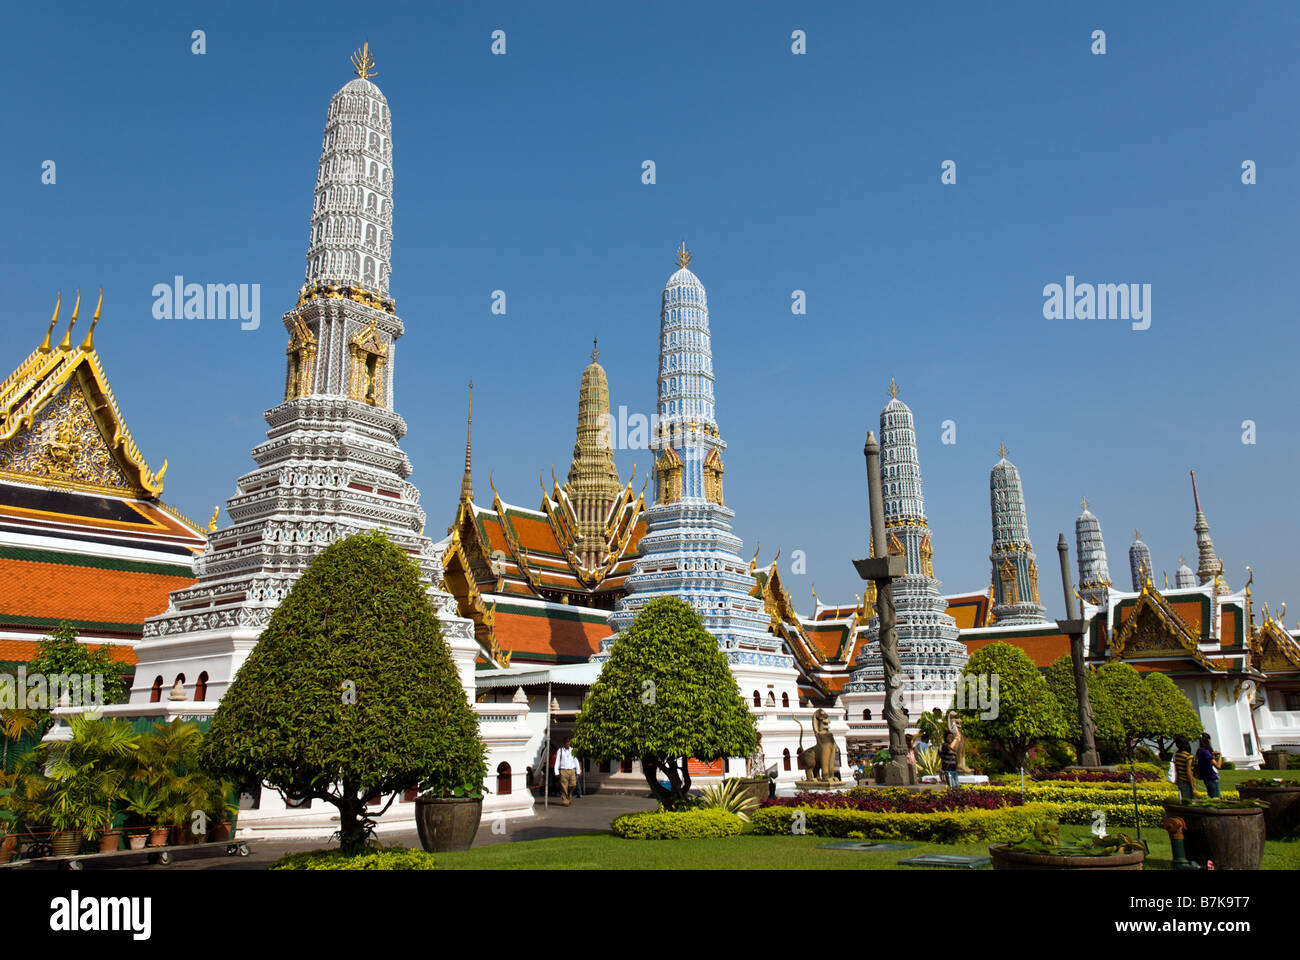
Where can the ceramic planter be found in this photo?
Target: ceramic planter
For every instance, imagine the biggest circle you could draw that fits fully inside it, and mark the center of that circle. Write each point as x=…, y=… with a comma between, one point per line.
x=67, y=842
x=8, y=847
x=1232, y=837
x=137, y=841
x=1006, y=859
x=1282, y=818
x=158, y=836
x=448, y=823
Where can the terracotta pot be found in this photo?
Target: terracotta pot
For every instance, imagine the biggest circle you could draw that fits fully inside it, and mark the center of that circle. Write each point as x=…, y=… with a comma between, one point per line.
x=137, y=841
x=109, y=841
x=158, y=836
x=449, y=823
x=220, y=832
x=1282, y=818
x=1232, y=838
x=8, y=847
x=1005, y=859
x=67, y=842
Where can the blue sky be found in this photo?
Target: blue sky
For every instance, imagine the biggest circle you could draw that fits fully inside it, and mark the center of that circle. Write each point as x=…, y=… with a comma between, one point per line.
x=818, y=172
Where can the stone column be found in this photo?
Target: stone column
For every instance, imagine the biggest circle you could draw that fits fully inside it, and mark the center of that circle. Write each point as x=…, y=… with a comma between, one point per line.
x=1073, y=627
x=883, y=569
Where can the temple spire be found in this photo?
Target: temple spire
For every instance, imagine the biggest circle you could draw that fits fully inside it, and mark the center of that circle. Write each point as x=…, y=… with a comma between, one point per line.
x=1094, y=571
x=1139, y=563
x=467, y=481
x=1015, y=568
x=1209, y=567
x=593, y=485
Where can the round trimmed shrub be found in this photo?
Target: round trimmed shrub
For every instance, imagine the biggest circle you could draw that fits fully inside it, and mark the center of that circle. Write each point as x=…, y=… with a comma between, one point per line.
x=684, y=825
x=388, y=858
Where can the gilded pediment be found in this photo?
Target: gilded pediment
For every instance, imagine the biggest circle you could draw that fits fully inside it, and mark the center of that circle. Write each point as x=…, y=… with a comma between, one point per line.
x=1153, y=629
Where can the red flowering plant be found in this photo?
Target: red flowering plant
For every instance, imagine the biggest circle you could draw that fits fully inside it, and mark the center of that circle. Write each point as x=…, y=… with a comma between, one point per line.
x=898, y=801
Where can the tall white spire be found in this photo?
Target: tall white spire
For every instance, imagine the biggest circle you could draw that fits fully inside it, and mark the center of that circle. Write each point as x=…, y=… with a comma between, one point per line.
x=1094, y=571
x=352, y=219
x=1015, y=568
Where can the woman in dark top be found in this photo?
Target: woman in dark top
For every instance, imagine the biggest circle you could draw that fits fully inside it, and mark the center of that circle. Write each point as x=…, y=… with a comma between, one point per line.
x=1208, y=763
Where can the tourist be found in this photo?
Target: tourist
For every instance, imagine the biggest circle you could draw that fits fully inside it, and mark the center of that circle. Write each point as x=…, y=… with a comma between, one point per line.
x=1208, y=762
x=566, y=768
x=911, y=750
x=948, y=761
x=1183, y=760
x=923, y=747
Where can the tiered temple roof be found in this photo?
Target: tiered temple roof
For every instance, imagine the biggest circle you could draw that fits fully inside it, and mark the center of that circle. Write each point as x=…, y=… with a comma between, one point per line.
x=84, y=535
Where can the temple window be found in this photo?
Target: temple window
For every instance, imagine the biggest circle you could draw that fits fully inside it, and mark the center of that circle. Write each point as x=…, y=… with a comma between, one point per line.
x=155, y=694
x=785, y=759
x=201, y=687
x=369, y=356
x=758, y=697
x=785, y=699
x=503, y=779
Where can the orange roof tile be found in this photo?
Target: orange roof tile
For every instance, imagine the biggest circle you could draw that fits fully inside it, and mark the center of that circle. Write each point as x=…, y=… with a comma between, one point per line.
x=1044, y=651
x=20, y=651
x=540, y=633
x=61, y=591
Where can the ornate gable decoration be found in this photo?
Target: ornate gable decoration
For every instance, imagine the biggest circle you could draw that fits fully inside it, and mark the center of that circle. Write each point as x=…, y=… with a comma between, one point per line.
x=367, y=378
x=60, y=425
x=1153, y=629
x=1275, y=650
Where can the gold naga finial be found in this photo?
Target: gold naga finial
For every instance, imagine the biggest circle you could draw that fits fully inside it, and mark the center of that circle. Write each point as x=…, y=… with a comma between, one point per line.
x=212, y=524
x=1002, y=450
x=1137, y=535
x=893, y=389
x=683, y=256
x=753, y=561
x=1250, y=580
x=66, y=342
x=45, y=344
x=89, y=343
x=363, y=62
x=1166, y=579
x=1084, y=501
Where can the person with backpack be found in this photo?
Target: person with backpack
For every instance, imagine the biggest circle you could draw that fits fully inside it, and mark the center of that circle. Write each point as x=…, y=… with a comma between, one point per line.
x=1184, y=761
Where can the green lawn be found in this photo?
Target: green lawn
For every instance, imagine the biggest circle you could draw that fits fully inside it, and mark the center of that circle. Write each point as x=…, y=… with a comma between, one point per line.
x=1228, y=779
x=604, y=851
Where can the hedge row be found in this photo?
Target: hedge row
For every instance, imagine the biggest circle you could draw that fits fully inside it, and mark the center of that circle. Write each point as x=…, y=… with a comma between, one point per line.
x=1117, y=814
x=1097, y=793
x=683, y=825
x=1007, y=823
x=388, y=858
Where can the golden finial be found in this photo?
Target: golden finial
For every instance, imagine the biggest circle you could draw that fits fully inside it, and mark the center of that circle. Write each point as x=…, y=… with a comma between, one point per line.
x=1002, y=450
x=1250, y=580
x=1084, y=500
x=683, y=256
x=594, y=352
x=66, y=343
x=467, y=481
x=212, y=524
x=363, y=62
x=1166, y=579
x=45, y=344
x=1137, y=535
x=89, y=343
x=893, y=389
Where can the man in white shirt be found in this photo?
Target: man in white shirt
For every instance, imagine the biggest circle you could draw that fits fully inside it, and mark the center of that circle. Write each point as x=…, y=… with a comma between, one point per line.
x=566, y=768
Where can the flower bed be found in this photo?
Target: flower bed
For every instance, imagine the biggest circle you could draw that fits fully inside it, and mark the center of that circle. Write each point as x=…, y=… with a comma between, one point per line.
x=1097, y=776
x=899, y=801
x=1010, y=822
x=680, y=825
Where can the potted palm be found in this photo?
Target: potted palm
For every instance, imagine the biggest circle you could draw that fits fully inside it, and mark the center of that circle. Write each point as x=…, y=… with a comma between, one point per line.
x=83, y=777
x=143, y=805
x=168, y=763
x=222, y=807
x=880, y=761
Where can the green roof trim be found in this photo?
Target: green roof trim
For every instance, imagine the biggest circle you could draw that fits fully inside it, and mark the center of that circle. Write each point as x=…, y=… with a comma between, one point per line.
x=32, y=555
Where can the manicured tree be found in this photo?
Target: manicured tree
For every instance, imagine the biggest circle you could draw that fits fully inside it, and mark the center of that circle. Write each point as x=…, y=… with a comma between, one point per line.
x=1024, y=709
x=665, y=695
x=1174, y=713
x=351, y=693
x=1108, y=734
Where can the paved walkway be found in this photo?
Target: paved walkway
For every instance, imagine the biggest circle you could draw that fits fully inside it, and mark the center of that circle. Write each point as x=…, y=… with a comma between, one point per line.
x=588, y=814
